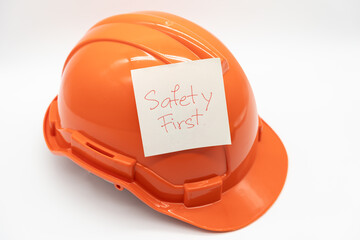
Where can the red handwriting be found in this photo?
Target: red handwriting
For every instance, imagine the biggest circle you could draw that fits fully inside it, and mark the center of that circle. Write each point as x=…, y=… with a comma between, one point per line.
x=168, y=121
x=208, y=101
x=175, y=100
x=157, y=103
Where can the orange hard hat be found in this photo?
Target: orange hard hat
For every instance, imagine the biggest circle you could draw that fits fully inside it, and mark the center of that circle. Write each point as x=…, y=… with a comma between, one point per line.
x=94, y=122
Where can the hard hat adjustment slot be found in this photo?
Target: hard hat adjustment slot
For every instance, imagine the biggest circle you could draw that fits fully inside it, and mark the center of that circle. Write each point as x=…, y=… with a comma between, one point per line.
x=120, y=165
x=102, y=151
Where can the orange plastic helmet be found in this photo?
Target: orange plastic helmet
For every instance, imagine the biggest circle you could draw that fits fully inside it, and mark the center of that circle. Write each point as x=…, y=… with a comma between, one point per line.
x=94, y=122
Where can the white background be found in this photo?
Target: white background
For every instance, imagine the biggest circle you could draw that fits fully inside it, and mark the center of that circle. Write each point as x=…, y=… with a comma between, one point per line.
x=302, y=59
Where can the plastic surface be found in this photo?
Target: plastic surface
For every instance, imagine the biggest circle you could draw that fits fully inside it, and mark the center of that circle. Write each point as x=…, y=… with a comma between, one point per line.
x=93, y=121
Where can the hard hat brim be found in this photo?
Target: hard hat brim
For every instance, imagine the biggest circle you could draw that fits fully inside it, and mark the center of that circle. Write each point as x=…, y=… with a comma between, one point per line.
x=238, y=207
x=245, y=202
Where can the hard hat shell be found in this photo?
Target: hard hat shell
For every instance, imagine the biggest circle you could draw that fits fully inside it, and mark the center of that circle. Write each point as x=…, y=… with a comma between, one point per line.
x=94, y=122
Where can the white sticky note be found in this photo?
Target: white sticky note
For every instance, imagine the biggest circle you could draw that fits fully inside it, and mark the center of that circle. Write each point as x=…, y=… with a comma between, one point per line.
x=181, y=106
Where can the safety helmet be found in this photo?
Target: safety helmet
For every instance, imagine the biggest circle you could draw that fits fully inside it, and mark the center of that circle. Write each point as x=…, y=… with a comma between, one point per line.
x=94, y=122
